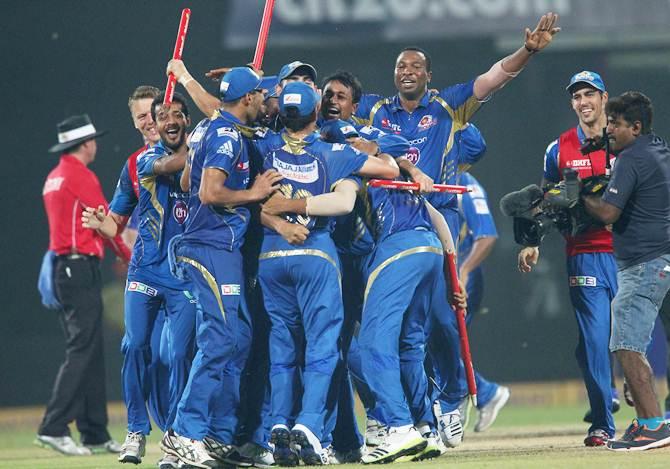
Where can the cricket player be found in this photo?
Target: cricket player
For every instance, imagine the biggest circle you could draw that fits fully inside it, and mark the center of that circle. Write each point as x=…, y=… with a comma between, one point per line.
x=150, y=285
x=209, y=255
x=305, y=280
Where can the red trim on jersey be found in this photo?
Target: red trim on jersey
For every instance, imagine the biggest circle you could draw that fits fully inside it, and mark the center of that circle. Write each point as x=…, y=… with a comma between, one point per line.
x=132, y=169
x=569, y=156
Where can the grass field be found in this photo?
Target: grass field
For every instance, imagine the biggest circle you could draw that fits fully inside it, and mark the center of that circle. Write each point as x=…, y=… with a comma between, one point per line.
x=523, y=436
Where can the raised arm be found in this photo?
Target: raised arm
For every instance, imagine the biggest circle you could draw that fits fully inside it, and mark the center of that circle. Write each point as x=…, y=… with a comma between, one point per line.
x=509, y=67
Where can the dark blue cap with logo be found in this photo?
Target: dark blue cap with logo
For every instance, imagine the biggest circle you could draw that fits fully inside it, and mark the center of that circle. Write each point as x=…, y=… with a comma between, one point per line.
x=270, y=84
x=238, y=82
x=297, y=68
x=590, y=78
x=338, y=131
x=298, y=95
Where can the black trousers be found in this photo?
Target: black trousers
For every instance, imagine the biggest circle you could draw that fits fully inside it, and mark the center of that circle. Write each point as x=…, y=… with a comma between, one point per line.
x=79, y=392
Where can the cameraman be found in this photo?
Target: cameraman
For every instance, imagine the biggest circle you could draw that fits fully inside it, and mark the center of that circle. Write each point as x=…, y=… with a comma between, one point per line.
x=637, y=202
x=590, y=264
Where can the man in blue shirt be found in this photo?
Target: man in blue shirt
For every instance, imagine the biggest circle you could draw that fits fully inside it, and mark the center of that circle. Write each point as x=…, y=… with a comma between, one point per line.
x=637, y=203
x=209, y=255
x=150, y=285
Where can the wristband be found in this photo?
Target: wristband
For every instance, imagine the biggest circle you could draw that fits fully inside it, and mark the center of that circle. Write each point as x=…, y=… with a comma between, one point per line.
x=530, y=51
x=185, y=79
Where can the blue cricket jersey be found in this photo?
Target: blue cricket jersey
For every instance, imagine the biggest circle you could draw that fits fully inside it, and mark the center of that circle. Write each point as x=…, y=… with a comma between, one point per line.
x=430, y=129
x=310, y=167
x=163, y=210
x=218, y=143
x=474, y=215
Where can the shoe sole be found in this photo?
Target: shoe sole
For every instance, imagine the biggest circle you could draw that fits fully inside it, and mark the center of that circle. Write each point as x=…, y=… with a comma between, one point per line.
x=130, y=459
x=410, y=451
x=656, y=444
x=281, y=438
x=496, y=409
x=173, y=451
x=422, y=456
x=307, y=453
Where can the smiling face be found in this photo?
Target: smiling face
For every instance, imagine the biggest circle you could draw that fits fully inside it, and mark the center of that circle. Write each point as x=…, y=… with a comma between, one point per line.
x=338, y=101
x=171, y=123
x=140, y=110
x=589, y=105
x=411, y=74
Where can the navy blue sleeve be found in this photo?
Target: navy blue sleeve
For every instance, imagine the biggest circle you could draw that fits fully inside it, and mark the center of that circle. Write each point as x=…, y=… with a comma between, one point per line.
x=623, y=182
x=125, y=199
x=472, y=145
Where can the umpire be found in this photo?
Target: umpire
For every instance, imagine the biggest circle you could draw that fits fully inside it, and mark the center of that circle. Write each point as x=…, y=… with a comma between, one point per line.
x=79, y=391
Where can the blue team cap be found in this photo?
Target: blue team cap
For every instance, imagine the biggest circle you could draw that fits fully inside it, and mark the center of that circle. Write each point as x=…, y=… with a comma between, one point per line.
x=238, y=82
x=590, y=78
x=270, y=84
x=300, y=96
x=294, y=67
x=337, y=131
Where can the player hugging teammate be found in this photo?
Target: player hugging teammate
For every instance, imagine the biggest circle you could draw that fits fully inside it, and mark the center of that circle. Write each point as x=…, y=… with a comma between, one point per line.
x=289, y=273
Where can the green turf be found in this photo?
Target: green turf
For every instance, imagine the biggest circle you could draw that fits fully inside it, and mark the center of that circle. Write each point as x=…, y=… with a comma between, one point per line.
x=544, y=437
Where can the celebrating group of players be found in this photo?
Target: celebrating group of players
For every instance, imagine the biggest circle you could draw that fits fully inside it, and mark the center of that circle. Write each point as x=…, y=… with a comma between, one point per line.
x=282, y=276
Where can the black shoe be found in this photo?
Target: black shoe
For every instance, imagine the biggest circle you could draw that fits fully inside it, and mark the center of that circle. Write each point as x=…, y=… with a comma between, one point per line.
x=639, y=438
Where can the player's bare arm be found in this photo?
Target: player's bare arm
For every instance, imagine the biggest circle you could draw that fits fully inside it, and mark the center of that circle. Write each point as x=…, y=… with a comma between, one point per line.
x=207, y=103
x=415, y=174
x=108, y=225
x=293, y=233
x=213, y=192
x=509, y=67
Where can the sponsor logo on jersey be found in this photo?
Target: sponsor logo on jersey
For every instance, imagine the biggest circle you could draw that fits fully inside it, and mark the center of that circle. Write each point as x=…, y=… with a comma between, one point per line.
x=52, y=184
x=481, y=207
x=197, y=134
x=586, y=163
x=230, y=289
x=418, y=141
x=387, y=124
x=227, y=132
x=613, y=190
x=338, y=146
x=226, y=149
x=413, y=155
x=369, y=130
x=427, y=122
x=243, y=166
x=304, y=173
x=582, y=281
x=180, y=211
x=142, y=288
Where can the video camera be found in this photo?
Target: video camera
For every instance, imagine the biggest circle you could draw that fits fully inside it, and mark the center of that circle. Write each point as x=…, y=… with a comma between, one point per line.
x=538, y=211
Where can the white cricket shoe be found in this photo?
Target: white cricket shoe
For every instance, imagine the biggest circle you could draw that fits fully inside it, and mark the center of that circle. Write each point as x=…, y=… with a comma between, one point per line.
x=399, y=441
x=374, y=432
x=489, y=412
x=133, y=448
x=450, y=428
x=434, y=449
x=62, y=444
x=191, y=452
x=311, y=452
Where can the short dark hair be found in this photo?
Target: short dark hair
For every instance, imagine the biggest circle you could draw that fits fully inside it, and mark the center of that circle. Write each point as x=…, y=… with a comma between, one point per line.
x=177, y=97
x=294, y=122
x=632, y=106
x=429, y=61
x=142, y=92
x=349, y=80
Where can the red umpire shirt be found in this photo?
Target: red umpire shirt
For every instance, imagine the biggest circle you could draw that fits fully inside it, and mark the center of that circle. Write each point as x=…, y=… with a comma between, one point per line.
x=70, y=187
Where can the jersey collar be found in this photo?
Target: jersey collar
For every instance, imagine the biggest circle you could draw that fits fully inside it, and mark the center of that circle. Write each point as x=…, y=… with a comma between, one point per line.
x=423, y=102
